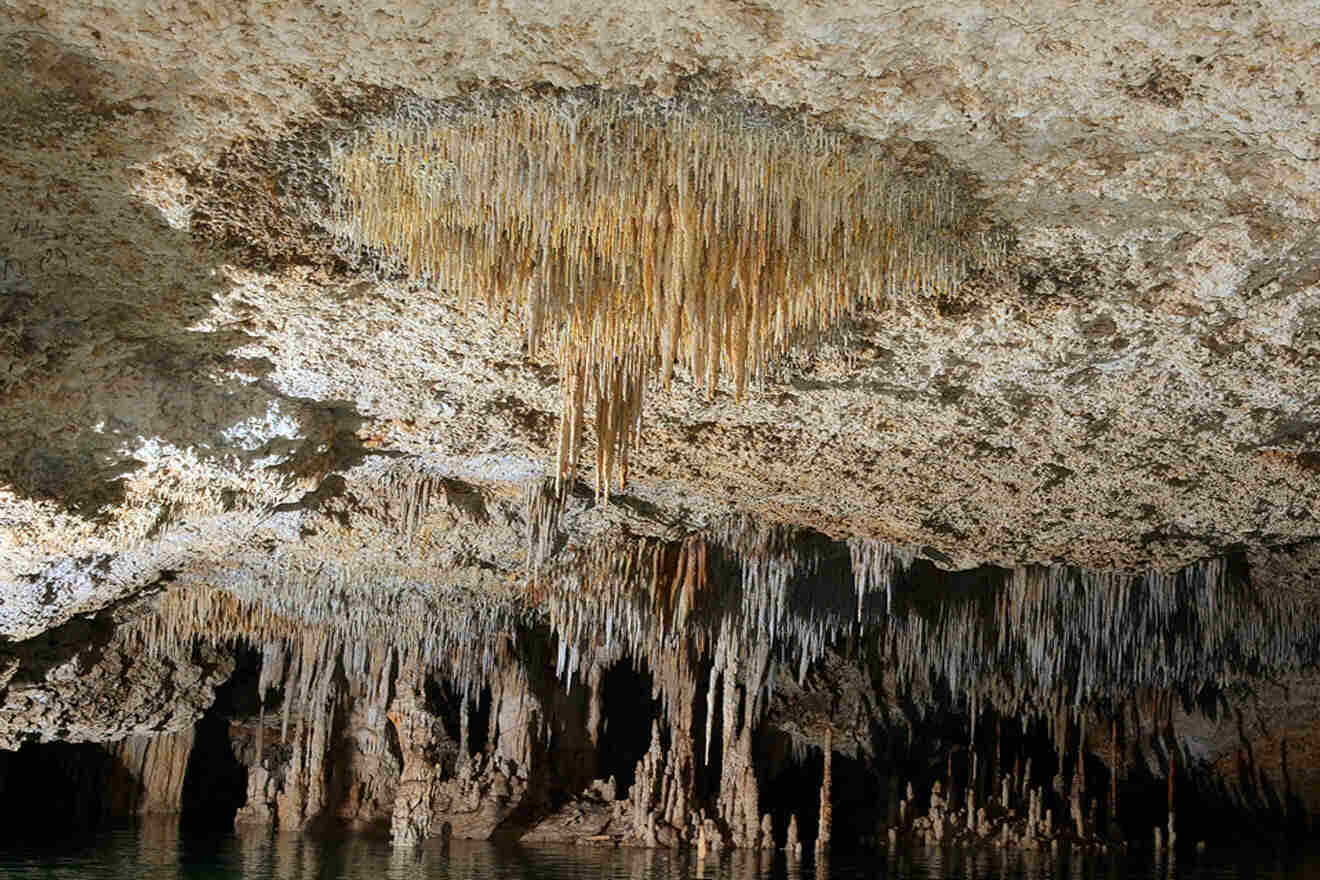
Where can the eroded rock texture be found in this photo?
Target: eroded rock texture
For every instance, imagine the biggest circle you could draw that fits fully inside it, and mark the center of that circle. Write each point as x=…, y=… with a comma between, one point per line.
x=91, y=682
x=1071, y=488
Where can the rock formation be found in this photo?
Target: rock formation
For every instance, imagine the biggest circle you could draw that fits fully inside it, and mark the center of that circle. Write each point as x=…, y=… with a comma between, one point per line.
x=526, y=421
x=152, y=775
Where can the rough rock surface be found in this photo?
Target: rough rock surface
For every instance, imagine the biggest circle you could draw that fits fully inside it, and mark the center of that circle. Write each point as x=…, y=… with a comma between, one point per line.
x=148, y=774
x=181, y=345
x=201, y=384
x=90, y=682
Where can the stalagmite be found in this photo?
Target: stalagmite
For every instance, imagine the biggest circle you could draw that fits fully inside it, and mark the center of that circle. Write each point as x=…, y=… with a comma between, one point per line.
x=948, y=778
x=826, y=787
x=792, y=845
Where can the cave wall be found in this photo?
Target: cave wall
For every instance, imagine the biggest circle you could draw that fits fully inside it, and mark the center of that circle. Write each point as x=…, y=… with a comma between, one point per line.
x=769, y=685
x=208, y=389
x=396, y=750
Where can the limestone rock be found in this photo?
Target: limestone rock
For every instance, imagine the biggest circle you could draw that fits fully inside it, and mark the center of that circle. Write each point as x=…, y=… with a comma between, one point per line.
x=207, y=390
x=91, y=682
x=148, y=774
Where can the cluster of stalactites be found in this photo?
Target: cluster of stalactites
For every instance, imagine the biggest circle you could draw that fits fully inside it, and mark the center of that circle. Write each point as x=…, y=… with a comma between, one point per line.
x=542, y=509
x=304, y=668
x=310, y=675
x=1020, y=641
x=789, y=595
x=635, y=235
x=405, y=493
x=720, y=593
x=875, y=564
x=635, y=597
x=1028, y=640
x=463, y=634
x=459, y=629
x=1084, y=638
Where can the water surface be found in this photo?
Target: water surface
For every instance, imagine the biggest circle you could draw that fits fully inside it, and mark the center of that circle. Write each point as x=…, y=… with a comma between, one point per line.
x=161, y=852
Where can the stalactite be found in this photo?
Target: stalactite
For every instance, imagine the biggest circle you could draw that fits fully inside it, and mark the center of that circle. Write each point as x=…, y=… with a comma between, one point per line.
x=731, y=603
x=875, y=564
x=460, y=631
x=543, y=508
x=639, y=233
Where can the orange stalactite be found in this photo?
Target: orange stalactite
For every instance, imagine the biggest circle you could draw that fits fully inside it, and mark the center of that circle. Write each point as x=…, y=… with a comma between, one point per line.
x=655, y=235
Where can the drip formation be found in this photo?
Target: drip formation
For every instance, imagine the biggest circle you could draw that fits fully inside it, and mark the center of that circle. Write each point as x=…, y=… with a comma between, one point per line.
x=636, y=236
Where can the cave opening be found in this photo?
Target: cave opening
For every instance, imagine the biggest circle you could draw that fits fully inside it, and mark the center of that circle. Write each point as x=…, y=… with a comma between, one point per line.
x=478, y=732
x=392, y=742
x=858, y=798
x=858, y=794
x=54, y=788
x=789, y=777
x=444, y=701
x=215, y=782
x=627, y=713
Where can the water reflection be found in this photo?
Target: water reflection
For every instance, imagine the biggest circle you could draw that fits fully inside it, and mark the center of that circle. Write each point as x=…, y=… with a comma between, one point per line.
x=157, y=851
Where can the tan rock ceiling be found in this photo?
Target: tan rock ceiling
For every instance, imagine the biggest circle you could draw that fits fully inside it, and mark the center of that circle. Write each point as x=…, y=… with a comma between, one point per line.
x=192, y=374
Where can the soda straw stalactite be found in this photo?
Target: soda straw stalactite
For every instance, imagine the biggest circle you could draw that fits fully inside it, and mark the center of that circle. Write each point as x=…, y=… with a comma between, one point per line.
x=632, y=235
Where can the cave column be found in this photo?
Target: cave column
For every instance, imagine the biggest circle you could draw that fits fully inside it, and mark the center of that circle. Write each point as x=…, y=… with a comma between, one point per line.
x=262, y=787
x=1113, y=775
x=416, y=727
x=1078, y=796
x=739, y=802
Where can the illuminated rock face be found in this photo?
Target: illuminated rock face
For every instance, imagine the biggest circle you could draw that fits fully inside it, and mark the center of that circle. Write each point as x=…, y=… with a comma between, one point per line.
x=636, y=235
x=236, y=368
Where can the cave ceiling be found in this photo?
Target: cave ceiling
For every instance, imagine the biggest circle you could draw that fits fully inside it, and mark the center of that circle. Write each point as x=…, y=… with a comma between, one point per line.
x=204, y=379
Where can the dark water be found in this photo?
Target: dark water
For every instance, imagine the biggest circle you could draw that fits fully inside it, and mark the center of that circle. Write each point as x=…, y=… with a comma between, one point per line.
x=162, y=853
